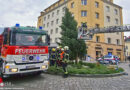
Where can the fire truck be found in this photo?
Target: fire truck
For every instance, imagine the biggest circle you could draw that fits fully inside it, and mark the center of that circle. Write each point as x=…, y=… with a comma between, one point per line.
x=23, y=50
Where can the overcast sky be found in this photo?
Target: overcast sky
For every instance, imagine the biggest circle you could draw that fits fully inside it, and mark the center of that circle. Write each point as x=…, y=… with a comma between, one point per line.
x=26, y=12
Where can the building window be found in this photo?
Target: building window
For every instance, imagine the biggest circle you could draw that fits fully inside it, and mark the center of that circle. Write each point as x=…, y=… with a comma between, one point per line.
x=52, y=23
x=58, y=12
x=47, y=24
x=72, y=5
x=97, y=4
x=116, y=12
x=72, y=14
x=97, y=25
x=53, y=14
x=56, y=30
x=109, y=40
x=117, y=33
x=116, y=21
x=63, y=9
x=47, y=32
x=97, y=39
x=44, y=18
x=83, y=13
x=84, y=2
x=51, y=40
x=97, y=15
x=44, y=26
x=108, y=18
x=56, y=39
x=57, y=21
x=107, y=8
x=118, y=42
x=48, y=16
x=51, y=31
x=126, y=47
x=84, y=24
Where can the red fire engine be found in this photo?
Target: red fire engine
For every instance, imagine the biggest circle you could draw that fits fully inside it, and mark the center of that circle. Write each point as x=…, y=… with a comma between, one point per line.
x=23, y=50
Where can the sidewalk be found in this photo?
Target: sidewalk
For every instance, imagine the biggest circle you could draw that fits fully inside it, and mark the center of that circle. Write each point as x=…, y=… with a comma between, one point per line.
x=125, y=66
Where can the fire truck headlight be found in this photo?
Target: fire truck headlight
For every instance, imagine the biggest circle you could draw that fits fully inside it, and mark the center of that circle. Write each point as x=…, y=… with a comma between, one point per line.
x=7, y=66
x=14, y=70
x=44, y=67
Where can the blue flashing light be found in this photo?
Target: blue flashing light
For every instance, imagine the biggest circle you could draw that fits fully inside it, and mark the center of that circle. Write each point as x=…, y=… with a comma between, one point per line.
x=38, y=57
x=23, y=58
x=109, y=54
x=17, y=25
x=40, y=28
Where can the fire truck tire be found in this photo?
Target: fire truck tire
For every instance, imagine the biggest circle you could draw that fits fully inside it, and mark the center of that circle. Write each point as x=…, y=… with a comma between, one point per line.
x=1, y=68
x=1, y=74
x=39, y=73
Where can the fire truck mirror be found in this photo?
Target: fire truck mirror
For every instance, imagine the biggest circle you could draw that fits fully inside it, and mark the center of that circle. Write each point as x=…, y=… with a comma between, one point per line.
x=5, y=34
x=48, y=39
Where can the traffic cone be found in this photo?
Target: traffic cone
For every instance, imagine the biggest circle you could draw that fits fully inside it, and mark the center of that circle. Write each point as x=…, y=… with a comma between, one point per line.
x=1, y=82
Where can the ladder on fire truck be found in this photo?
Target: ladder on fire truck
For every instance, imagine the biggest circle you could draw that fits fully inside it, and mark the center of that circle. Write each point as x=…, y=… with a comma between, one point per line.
x=87, y=34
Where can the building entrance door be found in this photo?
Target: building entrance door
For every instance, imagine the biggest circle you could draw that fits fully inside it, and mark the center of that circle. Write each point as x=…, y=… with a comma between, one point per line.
x=98, y=54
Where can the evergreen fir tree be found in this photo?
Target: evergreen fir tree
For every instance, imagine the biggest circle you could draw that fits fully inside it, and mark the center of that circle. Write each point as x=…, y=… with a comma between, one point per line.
x=69, y=37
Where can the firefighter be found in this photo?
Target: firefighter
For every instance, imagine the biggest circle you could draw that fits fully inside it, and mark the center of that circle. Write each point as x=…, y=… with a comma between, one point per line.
x=65, y=59
x=58, y=59
x=53, y=57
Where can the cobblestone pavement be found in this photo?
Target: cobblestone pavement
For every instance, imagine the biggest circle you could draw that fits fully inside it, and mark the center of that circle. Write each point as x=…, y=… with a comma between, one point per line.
x=53, y=82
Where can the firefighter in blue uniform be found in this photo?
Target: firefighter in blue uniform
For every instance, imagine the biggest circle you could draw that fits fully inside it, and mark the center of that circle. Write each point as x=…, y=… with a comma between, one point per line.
x=58, y=59
x=52, y=57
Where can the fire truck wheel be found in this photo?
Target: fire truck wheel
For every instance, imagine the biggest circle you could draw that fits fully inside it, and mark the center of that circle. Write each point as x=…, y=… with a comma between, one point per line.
x=39, y=73
x=1, y=74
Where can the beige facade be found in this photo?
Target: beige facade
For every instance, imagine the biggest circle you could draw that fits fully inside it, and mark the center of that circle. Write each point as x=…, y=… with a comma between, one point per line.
x=93, y=13
x=127, y=46
x=52, y=19
x=112, y=18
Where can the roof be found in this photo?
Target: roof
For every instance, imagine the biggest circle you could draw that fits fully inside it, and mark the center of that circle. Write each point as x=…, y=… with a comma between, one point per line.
x=27, y=30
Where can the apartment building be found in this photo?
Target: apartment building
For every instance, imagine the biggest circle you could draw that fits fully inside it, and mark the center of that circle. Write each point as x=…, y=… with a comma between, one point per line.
x=94, y=14
x=127, y=46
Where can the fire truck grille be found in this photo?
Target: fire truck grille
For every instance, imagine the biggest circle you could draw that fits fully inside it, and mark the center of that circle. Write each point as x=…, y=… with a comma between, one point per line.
x=29, y=69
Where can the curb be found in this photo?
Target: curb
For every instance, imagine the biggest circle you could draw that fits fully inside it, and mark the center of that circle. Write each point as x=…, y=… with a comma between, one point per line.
x=91, y=75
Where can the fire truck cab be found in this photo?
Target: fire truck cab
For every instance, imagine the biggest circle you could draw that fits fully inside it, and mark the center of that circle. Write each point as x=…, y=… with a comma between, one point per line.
x=23, y=50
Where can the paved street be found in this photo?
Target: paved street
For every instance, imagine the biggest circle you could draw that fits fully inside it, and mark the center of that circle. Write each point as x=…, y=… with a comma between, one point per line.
x=51, y=82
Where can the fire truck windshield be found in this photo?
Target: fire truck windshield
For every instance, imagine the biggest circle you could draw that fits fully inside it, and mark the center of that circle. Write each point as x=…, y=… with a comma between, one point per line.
x=22, y=39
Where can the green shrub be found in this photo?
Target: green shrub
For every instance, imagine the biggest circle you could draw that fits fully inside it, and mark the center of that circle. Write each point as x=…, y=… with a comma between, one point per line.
x=79, y=66
x=91, y=65
x=78, y=69
x=81, y=62
x=70, y=62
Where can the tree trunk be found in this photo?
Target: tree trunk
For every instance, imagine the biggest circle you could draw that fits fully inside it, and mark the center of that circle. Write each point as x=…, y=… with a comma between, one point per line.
x=76, y=60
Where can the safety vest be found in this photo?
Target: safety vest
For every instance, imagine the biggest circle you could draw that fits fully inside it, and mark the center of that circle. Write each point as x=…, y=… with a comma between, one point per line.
x=53, y=56
x=62, y=55
x=58, y=52
x=66, y=56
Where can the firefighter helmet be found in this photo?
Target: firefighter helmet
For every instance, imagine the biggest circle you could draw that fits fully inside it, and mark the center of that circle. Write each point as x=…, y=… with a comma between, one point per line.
x=53, y=49
x=59, y=47
x=62, y=49
x=66, y=47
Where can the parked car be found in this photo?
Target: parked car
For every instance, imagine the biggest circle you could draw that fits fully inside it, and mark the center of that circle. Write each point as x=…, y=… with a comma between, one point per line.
x=101, y=61
x=109, y=59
